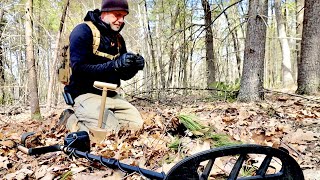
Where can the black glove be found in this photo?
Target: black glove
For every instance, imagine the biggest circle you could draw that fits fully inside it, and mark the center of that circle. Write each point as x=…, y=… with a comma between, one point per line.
x=139, y=63
x=125, y=61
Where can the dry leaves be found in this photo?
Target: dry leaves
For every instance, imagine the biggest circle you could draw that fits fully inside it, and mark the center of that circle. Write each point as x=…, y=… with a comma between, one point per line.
x=284, y=122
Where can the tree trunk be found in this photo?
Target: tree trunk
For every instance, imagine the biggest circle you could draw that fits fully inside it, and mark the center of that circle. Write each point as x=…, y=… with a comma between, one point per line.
x=162, y=81
x=309, y=67
x=251, y=88
x=299, y=25
x=2, y=80
x=185, y=50
x=32, y=74
x=287, y=75
x=235, y=42
x=55, y=57
x=145, y=50
x=151, y=48
x=210, y=58
x=172, y=53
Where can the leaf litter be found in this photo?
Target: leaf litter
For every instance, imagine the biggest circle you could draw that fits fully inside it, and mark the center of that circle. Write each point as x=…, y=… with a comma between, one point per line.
x=170, y=134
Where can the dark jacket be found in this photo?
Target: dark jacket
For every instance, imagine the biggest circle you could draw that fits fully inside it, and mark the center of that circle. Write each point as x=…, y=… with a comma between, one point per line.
x=87, y=67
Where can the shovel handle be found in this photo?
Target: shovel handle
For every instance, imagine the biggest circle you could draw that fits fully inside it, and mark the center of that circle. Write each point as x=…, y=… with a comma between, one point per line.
x=105, y=87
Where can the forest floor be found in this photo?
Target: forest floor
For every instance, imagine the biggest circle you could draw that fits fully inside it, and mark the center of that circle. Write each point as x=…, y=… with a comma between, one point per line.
x=280, y=121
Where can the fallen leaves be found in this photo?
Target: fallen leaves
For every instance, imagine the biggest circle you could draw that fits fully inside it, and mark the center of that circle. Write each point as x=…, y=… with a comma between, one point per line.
x=199, y=146
x=285, y=122
x=8, y=143
x=4, y=163
x=301, y=137
x=41, y=172
x=23, y=173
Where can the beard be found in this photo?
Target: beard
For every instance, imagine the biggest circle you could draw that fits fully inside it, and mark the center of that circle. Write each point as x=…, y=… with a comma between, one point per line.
x=115, y=27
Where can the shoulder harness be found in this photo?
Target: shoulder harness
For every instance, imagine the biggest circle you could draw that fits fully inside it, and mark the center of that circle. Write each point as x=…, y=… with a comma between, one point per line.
x=96, y=42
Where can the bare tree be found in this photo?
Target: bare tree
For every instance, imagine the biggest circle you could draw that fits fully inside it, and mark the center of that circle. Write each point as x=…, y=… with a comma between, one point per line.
x=299, y=25
x=154, y=81
x=32, y=74
x=2, y=80
x=55, y=57
x=172, y=54
x=309, y=65
x=287, y=75
x=251, y=88
x=235, y=42
x=183, y=50
x=210, y=58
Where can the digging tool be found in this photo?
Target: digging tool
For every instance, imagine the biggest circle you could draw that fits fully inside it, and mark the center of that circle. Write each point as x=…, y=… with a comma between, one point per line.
x=97, y=133
x=105, y=87
x=77, y=144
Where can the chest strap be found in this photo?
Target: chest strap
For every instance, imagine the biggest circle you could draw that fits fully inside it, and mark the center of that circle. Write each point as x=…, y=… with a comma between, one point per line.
x=96, y=42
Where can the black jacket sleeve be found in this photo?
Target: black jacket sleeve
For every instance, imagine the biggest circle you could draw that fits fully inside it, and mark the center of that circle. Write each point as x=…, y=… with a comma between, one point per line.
x=81, y=53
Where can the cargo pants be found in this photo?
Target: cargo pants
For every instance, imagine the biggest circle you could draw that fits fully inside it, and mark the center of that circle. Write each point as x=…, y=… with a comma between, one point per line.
x=118, y=113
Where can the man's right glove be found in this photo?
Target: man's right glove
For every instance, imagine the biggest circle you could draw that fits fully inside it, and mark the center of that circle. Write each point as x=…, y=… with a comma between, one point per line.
x=125, y=61
x=139, y=63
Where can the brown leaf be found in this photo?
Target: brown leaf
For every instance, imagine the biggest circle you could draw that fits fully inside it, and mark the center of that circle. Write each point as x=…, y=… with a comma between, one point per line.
x=200, y=146
x=4, y=163
x=93, y=176
x=218, y=167
x=48, y=176
x=41, y=172
x=283, y=128
x=20, y=174
x=300, y=137
x=166, y=167
x=243, y=114
x=76, y=170
x=228, y=119
x=259, y=138
x=117, y=174
x=283, y=98
x=301, y=148
x=8, y=143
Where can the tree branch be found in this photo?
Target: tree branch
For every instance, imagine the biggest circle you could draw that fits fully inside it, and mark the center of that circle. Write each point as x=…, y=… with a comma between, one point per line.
x=296, y=95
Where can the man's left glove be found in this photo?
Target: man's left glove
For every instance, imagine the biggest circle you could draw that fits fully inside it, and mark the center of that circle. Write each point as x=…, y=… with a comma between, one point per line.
x=139, y=62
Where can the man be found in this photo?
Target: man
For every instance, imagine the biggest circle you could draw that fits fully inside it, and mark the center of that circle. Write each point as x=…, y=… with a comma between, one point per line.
x=88, y=67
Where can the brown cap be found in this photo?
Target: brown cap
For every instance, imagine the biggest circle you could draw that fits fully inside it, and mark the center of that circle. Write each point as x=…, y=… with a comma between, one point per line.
x=114, y=5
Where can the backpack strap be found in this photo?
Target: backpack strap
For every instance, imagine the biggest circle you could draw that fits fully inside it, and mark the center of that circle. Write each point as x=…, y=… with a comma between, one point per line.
x=96, y=42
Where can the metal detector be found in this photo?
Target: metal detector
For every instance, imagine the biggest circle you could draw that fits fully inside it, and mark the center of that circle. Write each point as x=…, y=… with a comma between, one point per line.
x=77, y=144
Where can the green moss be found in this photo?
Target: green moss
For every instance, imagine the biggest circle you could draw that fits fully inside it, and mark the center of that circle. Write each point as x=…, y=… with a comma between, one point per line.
x=174, y=144
x=66, y=175
x=37, y=116
x=247, y=171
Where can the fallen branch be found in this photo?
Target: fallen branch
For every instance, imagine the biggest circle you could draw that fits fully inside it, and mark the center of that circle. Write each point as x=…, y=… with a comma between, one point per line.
x=187, y=88
x=296, y=95
x=140, y=98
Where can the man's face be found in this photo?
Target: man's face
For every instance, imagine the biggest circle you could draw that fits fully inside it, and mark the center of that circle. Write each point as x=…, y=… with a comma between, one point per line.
x=114, y=18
